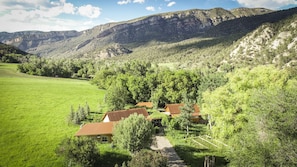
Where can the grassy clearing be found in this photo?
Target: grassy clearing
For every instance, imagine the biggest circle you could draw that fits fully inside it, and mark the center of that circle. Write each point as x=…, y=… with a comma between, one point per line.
x=33, y=115
x=193, y=149
x=109, y=156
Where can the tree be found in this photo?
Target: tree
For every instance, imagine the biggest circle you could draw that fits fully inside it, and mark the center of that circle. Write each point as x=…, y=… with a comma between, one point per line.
x=255, y=114
x=269, y=138
x=116, y=97
x=139, y=88
x=184, y=119
x=71, y=115
x=227, y=105
x=133, y=133
x=78, y=151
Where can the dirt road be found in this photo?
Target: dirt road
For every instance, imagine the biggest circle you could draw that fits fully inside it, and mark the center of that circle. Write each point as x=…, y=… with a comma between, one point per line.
x=162, y=144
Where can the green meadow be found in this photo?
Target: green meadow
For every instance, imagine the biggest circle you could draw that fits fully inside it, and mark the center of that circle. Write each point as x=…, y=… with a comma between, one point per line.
x=33, y=114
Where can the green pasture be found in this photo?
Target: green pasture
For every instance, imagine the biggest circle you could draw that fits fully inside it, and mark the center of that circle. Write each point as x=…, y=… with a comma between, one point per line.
x=33, y=112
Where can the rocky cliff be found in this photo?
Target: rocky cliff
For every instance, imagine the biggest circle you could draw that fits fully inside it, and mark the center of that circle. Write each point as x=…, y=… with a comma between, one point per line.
x=31, y=39
x=269, y=44
x=114, y=39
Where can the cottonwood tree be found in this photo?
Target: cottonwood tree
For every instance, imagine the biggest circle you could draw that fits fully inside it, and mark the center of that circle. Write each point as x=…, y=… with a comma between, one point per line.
x=255, y=114
x=133, y=133
x=116, y=97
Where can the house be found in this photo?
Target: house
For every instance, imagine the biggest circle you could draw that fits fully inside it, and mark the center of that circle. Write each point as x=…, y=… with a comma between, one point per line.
x=174, y=110
x=121, y=114
x=145, y=104
x=101, y=131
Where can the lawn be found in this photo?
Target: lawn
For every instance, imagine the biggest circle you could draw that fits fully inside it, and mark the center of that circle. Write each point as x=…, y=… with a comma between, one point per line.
x=33, y=115
x=196, y=146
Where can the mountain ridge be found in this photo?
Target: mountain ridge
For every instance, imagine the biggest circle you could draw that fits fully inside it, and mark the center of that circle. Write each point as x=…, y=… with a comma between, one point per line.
x=172, y=26
x=203, y=37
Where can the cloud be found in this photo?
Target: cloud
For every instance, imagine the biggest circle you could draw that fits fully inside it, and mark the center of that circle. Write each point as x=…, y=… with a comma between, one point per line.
x=89, y=11
x=45, y=15
x=150, y=8
x=138, y=1
x=171, y=4
x=271, y=4
x=125, y=2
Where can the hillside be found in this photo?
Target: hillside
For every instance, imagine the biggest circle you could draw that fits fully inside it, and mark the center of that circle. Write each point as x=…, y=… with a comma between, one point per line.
x=7, y=49
x=27, y=40
x=193, y=38
x=103, y=39
x=271, y=43
x=11, y=54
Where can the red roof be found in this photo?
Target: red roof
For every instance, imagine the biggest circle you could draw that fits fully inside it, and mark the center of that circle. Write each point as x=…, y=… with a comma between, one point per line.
x=94, y=129
x=118, y=115
x=145, y=104
x=175, y=109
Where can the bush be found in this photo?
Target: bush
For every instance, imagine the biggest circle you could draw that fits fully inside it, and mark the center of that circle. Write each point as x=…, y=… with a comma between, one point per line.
x=133, y=133
x=78, y=151
x=148, y=158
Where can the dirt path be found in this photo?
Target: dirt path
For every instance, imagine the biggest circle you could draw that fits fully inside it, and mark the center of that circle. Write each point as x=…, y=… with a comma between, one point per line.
x=162, y=144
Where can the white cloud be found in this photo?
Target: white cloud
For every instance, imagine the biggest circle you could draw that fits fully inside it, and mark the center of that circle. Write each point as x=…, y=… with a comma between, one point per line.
x=272, y=4
x=125, y=2
x=45, y=15
x=150, y=8
x=89, y=11
x=138, y=1
x=171, y=4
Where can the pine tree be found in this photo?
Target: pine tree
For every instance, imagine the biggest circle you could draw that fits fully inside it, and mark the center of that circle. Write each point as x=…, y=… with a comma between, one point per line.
x=87, y=110
x=76, y=118
x=186, y=113
x=71, y=115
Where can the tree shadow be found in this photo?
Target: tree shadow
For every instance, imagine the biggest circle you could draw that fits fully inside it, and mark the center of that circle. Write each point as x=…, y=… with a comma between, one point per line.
x=110, y=159
x=195, y=157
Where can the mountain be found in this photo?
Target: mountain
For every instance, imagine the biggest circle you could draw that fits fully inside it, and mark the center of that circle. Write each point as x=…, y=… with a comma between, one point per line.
x=271, y=43
x=8, y=49
x=26, y=40
x=192, y=38
x=167, y=27
x=11, y=54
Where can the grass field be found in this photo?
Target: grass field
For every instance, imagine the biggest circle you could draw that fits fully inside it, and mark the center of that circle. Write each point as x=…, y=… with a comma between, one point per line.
x=33, y=112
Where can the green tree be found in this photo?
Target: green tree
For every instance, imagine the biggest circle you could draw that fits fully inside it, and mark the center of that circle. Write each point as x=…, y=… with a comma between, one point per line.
x=117, y=97
x=227, y=105
x=133, y=133
x=184, y=119
x=251, y=112
x=71, y=115
x=78, y=151
x=269, y=138
x=139, y=88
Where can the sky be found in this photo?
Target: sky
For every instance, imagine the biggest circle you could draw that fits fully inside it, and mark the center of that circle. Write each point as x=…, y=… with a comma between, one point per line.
x=60, y=15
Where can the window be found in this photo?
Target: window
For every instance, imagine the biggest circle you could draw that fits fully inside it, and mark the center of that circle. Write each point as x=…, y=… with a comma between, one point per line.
x=104, y=139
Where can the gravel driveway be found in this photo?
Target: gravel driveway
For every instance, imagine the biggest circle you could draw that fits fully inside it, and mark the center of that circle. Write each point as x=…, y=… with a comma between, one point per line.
x=162, y=143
